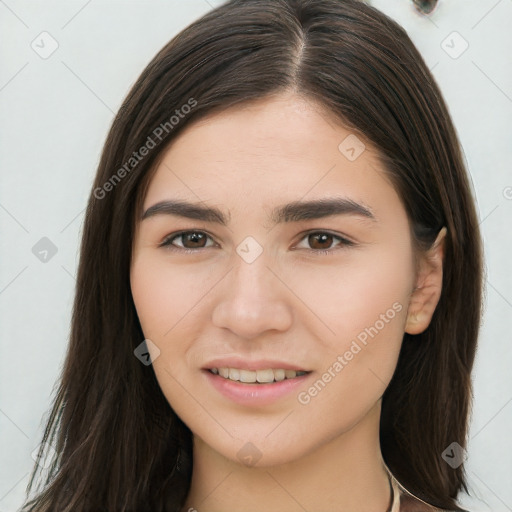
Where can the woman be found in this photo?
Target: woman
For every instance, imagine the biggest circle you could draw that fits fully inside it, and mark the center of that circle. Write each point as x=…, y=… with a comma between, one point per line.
x=285, y=375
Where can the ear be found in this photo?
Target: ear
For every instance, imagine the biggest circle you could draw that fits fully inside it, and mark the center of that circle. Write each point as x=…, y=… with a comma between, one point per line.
x=429, y=284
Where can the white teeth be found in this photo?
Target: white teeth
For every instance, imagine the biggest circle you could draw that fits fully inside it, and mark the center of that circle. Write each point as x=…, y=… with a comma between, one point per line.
x=253, y=376
x=264, y=376
x=234, y=374
x=244, y=375
x=279, y=375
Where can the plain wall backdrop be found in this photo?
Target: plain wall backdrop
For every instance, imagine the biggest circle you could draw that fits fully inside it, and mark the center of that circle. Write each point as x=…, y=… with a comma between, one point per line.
x=66, y=67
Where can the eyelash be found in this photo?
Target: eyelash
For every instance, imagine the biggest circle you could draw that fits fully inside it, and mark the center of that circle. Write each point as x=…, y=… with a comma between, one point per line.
x=167, y=243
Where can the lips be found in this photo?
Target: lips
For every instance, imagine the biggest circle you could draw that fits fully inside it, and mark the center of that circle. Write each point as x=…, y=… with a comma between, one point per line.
x=254, y=365
x=255, y=394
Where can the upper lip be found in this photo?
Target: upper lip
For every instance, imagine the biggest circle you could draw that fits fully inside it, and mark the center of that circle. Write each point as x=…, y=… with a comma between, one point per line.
x=257, y=364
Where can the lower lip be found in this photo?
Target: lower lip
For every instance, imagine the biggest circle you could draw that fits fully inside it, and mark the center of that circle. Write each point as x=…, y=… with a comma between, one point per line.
x=255, y=394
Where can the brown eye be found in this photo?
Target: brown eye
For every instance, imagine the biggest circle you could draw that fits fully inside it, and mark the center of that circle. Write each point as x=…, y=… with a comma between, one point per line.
x=321, y=242
x=196, y=239
x=190, y=240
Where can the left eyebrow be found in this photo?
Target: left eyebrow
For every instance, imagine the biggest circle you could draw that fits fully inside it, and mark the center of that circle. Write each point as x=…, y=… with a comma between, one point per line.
x=295, y=211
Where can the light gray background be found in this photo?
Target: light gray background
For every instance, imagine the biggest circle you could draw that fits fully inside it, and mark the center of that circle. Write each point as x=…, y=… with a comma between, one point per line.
x=55, y=113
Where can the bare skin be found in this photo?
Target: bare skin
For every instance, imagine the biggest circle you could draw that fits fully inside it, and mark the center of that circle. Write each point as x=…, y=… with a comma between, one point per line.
x=291, y=303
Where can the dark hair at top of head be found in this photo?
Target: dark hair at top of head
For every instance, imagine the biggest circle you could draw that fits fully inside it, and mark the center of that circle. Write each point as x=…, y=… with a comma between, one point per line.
x=119, y=445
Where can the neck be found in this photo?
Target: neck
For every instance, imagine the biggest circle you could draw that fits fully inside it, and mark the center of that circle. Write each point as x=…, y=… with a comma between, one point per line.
x=345, y=474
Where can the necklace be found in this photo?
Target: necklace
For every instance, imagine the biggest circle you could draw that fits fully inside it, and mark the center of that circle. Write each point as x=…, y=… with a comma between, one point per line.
x=395, y=493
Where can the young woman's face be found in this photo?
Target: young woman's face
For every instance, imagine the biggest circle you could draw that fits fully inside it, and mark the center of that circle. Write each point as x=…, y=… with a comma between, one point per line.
x=319, y=288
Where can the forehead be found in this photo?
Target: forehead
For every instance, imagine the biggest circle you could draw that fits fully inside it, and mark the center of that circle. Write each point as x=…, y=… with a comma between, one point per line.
x=268, y=152
x=279, y=126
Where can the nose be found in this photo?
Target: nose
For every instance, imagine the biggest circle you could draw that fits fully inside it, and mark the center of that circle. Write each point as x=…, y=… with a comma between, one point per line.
x=252, y=300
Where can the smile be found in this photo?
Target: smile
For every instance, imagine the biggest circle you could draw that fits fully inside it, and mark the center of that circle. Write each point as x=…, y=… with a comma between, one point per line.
x=257, y=376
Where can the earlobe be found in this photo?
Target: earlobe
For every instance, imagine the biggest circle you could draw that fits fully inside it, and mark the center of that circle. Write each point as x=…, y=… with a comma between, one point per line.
x=429, y=284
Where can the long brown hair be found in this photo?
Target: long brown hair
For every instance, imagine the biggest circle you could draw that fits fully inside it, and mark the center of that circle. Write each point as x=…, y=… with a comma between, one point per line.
x=118, y=444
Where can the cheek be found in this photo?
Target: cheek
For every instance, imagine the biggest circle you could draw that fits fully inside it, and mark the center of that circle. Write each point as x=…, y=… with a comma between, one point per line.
x=364, y=306
x=359, y=361
x=376, y=297
x=351, y=296
x=148, y=298
x=163, y=295
x=170, y=304
x=161, y=299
